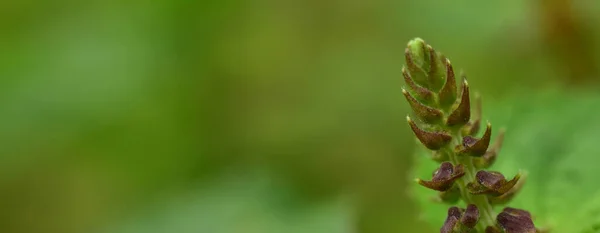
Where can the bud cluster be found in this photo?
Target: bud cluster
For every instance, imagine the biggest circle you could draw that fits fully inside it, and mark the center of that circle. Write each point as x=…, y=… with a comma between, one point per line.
x=445, y=127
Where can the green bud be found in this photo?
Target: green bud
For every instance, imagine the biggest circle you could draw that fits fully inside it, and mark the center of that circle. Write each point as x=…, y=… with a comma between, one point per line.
x=417, y=61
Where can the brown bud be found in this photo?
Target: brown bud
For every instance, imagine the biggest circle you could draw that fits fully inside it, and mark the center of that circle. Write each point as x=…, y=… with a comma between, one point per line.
x=425, y=113
x=508, y=196
x=461, y=220
x=490, y=156
x=431, y=140
x=444, y=177
x=449, y=225
x=476, y=147
x=492, y=183
x=513, y=220
x=421, y=93
x=462, y=113
x=472, y=128
x=447, y=95
x=471, y=216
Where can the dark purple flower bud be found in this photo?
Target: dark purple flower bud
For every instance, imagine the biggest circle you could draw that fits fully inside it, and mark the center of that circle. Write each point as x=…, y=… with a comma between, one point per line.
x=472, y=128
x=444, y=177
x=470, y=217
x=431, y=140
x=508, y=196
x=492, y=183
x=476, y=147
x=460, y=220
x=515, y=221
x=449, y=225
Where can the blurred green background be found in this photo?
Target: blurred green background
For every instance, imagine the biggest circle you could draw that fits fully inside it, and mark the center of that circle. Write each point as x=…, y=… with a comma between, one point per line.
x=248, y=116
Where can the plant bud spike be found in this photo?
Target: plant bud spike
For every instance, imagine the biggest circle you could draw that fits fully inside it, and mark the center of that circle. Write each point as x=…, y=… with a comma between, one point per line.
x=431, y=140
x=462, y=113
x=476, y=147
x=425, y=113
x=420, y=92
x=448, y=93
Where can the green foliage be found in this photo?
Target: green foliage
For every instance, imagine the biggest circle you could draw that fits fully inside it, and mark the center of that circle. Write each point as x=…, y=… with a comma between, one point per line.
x=552, y=137
x=255, y=203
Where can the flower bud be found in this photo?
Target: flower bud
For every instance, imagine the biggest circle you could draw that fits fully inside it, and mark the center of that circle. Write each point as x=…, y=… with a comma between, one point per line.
x=460, y=220
x=492, y=183
x=425, y=113
x=437, y=69
x=417, y=61
x=476, y=147
x=470, y=217
x=508, y=196
x=447, y=95
x=431, y=140
x=444, y=177
x=513, y=220
x=421, y=93
x=490, y=156
x=462, y=113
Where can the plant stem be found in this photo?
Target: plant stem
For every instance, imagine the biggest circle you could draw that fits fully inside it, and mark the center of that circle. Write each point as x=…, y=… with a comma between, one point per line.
x=486, y=211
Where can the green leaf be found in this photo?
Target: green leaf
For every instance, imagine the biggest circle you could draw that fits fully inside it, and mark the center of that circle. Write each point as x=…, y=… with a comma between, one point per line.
x=552, y=136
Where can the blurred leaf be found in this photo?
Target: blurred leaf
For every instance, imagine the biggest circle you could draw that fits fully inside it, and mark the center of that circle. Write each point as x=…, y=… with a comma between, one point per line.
x=553, y=137
x=240, y=203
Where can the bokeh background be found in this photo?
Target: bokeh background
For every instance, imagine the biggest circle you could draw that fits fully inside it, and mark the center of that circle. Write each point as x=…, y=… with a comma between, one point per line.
x=248, y=116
